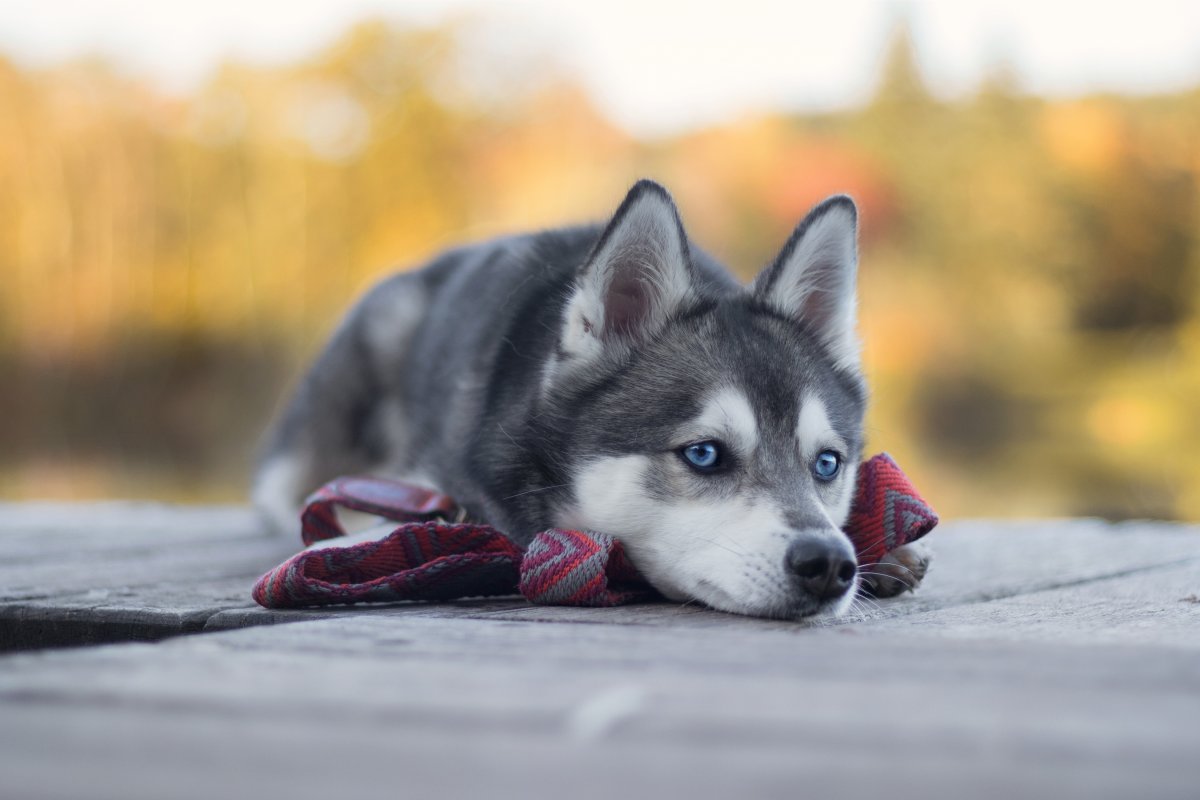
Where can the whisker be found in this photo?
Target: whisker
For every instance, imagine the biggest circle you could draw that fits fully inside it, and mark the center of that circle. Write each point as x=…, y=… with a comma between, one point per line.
x=723, y=546
x=908, y=585
x=875, y=572
x=898, y=578
x=679, y=609
x=510, y=438
x=859, y=610
x=534, y=491
x=870, y=603
x=901, y=566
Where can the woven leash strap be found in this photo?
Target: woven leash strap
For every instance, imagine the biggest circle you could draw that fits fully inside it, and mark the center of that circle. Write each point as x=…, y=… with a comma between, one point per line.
x=887, y=512
x=428, y=558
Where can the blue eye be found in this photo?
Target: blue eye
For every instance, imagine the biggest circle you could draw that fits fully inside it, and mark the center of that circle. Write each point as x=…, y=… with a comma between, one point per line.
x=827, y=465
x=703, y=456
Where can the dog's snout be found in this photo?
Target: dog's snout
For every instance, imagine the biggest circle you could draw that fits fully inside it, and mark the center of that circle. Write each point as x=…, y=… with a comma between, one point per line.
x=826, y=569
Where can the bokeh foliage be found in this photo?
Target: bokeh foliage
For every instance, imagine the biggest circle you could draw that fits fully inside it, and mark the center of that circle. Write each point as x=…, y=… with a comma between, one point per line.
x=1029, y=281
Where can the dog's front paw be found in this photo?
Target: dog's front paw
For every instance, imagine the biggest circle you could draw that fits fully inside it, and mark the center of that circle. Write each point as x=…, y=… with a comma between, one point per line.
x=900, y=571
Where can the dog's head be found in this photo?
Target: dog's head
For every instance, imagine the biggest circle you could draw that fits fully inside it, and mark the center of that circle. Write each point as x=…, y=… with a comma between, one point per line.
x=717, y=433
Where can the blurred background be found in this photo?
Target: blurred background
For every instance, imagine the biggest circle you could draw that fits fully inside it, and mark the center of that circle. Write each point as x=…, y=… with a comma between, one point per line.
x=191, y=193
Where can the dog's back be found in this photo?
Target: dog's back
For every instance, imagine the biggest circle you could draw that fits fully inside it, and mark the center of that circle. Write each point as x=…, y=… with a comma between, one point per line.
x=401, y=386
x=432, y=377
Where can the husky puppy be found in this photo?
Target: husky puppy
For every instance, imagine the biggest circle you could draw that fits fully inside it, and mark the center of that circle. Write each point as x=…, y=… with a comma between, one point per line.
x=616, y=379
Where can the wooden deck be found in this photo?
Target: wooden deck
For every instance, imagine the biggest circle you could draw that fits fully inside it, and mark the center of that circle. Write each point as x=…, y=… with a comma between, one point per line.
x=1048, y=659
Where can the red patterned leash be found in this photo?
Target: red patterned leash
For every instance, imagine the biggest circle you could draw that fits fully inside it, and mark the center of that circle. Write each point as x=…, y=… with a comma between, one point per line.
x=432, y=559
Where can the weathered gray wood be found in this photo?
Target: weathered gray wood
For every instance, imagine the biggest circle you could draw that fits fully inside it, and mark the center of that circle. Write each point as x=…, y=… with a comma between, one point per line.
x=1151, y=606
x=118, y=571
x=97, y=572
x=422, y=707
x=48, y=551
x=1052, y=659
x=975, y=562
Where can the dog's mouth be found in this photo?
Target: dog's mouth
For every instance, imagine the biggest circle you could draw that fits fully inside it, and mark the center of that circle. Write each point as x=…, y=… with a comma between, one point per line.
x=782, y=605
x=760, y=578
x=754, y=592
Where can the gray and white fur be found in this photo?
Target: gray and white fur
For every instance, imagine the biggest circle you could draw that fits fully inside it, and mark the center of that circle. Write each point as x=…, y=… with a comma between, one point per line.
x=558, y=379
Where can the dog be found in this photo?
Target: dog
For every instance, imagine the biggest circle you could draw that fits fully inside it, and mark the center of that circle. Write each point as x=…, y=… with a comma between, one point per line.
x=616, y=378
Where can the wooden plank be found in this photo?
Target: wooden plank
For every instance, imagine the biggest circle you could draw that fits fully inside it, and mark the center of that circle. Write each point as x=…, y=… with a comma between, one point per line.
x=157, y=611
x=459, y=706
x=96, y=572
x=977, y=560
x=48, y=551
x=1152, y=606
x=101, y=572
x=974, y=562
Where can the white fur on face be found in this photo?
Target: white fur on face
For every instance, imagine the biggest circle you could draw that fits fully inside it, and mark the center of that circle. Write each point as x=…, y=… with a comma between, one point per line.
x=814, y=433
x=727, y=553
x=726, y=415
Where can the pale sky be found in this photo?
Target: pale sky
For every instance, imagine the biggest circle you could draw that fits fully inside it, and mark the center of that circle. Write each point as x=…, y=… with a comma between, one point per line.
x=657, y=66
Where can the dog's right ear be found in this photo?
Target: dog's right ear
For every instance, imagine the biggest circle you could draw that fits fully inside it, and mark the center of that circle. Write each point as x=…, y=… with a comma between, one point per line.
x=813, y=278
x=638, y=275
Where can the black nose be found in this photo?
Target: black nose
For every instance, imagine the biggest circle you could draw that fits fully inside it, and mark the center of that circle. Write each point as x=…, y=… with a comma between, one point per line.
x=825, y=569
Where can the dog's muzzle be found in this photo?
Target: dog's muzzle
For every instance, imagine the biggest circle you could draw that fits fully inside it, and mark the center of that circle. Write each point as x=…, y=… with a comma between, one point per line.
x=824, y=569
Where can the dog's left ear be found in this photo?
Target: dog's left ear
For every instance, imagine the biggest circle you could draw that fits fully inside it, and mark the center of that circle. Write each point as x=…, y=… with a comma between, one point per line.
x=637, y=277
x=813, y=278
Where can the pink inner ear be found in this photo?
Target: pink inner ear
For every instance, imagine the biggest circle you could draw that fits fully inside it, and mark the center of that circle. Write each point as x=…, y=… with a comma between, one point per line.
x=626, y=304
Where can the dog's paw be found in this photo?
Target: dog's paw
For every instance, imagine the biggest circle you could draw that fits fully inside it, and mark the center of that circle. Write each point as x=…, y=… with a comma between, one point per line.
x=900, y=571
